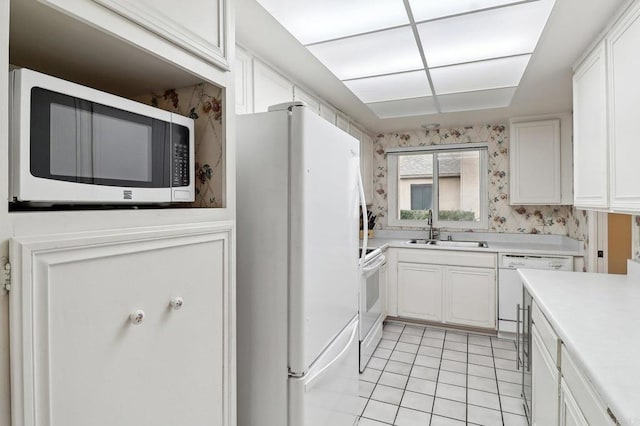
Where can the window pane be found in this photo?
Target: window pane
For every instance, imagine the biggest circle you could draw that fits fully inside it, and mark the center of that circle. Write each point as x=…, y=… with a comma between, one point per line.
x=459, y=186
x=415, y=185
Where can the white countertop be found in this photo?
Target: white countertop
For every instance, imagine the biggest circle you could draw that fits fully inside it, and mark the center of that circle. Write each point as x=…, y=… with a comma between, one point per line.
x=560, y=248
x=597, y=317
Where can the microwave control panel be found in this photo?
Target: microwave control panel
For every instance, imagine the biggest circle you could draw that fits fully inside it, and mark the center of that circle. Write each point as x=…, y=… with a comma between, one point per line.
x=180, y=163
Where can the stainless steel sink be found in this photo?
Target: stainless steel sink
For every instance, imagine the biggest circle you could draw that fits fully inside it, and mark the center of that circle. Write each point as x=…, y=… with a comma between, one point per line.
x=446, y=243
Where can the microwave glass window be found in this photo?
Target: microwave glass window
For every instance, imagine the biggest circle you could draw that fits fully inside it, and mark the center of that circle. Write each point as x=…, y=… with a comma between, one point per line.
x=81, y=141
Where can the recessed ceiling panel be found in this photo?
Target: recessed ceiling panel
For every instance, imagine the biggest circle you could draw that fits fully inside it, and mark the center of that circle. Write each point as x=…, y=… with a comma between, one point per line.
x=404, y=107
x=372, y=54
x=494, y=33
x=314, y=21
x=491, y=74
x=387, y=87
x=484, y=99
x=432, y=9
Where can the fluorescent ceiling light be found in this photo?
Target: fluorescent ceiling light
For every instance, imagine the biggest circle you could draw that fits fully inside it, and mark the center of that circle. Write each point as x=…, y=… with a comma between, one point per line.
x=495, y=33
x=404, y=107
x=491, y=74
x=484, y=99
x=432, y=9
x=312, y=21
x=393, y=86
x=383, y=52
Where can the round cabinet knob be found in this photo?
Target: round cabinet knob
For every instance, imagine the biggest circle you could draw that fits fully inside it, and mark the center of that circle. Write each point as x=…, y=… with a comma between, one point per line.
x=136, y=317
x=176, y=303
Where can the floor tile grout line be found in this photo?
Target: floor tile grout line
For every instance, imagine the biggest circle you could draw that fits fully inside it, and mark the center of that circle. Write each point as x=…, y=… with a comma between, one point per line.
x=435, y=389
x=466, y=390
x=377, y=381
x=497, y=385
x=424, y=330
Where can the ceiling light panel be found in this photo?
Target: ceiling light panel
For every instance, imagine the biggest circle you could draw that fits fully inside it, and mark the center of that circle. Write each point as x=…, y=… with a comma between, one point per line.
x=494, y=33
x=388, y=87
x=404, y=107
x=491, y=74
x=425, y=10
x=313, y=21
x=484, y=99
x=383, y=52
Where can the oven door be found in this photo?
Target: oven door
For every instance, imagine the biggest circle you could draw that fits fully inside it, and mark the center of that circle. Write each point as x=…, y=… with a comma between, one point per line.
x=370, y=295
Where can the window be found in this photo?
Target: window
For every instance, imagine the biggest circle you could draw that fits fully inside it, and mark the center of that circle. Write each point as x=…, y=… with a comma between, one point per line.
x=450, y=180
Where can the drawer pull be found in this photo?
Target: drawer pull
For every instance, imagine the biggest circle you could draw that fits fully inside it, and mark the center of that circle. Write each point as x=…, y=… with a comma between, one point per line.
x=176, y=303
x=136, y=317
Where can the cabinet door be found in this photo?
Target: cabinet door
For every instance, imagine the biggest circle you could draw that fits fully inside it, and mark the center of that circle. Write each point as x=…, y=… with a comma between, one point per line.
x=342, y=122
x=470, y=296
x=570, y=414
x=535, y=163
x=590, y=146
x=328, y=113
x=173, y=21
x=544, y=382
x=312, y=103
x=269, y=87
x=243, y=73
x=624, y=92
x=420, y=291
x=78, y=356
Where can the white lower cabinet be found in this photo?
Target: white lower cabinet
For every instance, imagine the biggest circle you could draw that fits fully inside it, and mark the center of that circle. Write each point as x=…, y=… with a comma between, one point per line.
x=420, y=291
x=384, y=285
x=570, y=414
x=125, y=328
x=544, y=382
x=438, y=286
x=471, y=296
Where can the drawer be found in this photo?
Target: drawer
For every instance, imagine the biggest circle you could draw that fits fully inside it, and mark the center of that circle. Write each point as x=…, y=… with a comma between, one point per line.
x=587, y=399
x=549, y=337
x=448, y=257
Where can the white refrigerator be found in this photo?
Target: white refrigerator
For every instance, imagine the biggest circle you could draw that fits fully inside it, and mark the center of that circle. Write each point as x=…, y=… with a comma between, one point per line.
x=297, y=270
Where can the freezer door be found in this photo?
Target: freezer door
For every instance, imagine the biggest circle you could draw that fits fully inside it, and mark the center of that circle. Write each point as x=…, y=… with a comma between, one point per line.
x=328, y=394
x=323, y=250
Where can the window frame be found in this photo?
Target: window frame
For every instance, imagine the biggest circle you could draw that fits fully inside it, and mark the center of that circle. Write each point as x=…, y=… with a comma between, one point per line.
x=392, y=185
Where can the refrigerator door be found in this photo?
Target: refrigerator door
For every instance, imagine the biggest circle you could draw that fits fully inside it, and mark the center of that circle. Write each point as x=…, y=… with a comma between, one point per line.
x=328, y=394
x=323, y=248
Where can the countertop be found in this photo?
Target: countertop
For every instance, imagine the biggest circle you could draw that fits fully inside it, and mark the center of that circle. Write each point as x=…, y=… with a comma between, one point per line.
x=597, y=318
x=559, y=247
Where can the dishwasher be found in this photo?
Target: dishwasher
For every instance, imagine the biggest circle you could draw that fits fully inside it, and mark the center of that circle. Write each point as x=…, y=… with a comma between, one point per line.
x=510, y=286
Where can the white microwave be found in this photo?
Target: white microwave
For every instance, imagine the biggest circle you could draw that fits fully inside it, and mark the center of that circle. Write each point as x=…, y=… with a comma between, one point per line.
x=71, y=144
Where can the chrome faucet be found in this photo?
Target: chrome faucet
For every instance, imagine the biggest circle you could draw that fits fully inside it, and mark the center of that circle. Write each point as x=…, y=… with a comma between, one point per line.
x=430, y=223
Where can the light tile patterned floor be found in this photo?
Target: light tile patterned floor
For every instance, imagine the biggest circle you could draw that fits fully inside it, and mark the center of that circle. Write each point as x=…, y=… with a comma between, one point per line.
x=430, y=376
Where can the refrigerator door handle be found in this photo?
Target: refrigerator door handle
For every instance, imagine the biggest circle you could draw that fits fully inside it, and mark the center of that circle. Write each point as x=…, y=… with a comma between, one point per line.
x=365, y=222
x=309, y=384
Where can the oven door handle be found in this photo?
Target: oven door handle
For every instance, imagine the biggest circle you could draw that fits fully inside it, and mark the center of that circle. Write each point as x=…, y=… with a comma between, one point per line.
x=367, y=269
x=518, y=337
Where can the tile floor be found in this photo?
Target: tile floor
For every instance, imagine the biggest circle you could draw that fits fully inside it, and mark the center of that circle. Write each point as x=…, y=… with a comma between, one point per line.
x=430, y=376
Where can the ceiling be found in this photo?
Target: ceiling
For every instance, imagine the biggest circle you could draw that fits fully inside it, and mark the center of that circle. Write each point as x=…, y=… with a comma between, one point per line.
x=545, y=86
x=436, y=56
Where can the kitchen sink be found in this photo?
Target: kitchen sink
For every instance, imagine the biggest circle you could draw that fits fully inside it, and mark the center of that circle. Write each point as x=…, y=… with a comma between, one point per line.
x=449, y=243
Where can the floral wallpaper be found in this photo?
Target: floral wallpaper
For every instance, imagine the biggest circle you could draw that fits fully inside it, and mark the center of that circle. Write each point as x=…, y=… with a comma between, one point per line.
x=635, y=238
x=564, y=220
x=201, y=102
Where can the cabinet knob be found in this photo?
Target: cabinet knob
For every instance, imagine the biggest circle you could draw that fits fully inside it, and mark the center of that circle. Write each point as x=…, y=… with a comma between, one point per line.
x=136, y=317
x=176, y=303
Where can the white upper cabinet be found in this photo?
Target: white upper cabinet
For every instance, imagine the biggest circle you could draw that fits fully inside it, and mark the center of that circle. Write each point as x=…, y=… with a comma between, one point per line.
x=328, y=113
x=179, y=24
x=342, y=122
x=590, y=146
x=624, y=93
x=243, y=75
x=366, y=166
x=535, y=163
x=269, y=87
x=312, y=103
